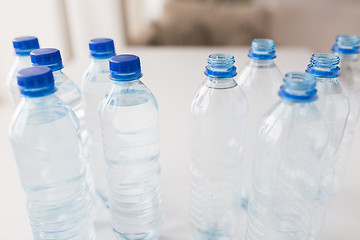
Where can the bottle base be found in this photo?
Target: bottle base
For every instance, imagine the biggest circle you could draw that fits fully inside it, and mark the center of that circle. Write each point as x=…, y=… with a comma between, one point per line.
x=151, y=235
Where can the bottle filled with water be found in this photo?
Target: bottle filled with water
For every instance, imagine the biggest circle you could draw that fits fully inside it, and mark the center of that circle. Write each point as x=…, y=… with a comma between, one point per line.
x=347, y=47
x=217, y=130
x=95, y=85
x=23, y=46
x=70, y=94
x=130, y=134
x=44, y=134
x=259, y=79
x=334, y=108
x=290, y=144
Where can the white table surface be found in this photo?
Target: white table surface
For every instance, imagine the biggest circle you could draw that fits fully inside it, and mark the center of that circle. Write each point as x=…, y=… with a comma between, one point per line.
x=174, y=75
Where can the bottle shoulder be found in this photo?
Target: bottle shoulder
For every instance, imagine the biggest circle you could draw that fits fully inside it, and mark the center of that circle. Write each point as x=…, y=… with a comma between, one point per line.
x=95, y=83
x=34, y=114
x=128, y=95
x=210, y=98
x=334, y=105
x=255, y=77
x=284, y=117
x=67, y=90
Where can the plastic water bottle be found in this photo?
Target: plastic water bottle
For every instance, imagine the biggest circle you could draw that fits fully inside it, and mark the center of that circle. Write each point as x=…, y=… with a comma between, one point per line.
x=217, y=130
x=347, y=47
x=290, y=144
x=67, y=91
x=23, y=46
x=259, y=79
x=334, y=108
x=44, y=134
x=130, y=133
x=95, y=85
x=70, y=94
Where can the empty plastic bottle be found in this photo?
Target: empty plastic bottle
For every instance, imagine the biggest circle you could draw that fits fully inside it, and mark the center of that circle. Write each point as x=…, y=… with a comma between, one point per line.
x=347, y=47
x=290, y=144
x=334, y=108
x=95, y=85
x=217, y=131
x=130, y=134
x=259, y=79
x=44, y=134
x=23, y=46
x=70, y=94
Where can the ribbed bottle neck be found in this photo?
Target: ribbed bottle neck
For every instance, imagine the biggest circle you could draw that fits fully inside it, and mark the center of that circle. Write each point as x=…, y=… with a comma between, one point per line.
x=298, y=87
x=324, y=65
x=220, y=66
x=262, y=49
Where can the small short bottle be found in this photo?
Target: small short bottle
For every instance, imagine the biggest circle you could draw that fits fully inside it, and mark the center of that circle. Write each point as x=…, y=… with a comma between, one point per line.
x=23, y=46
x=44, y=134
x=217, y=137
x=334, y=108
x=259, y=79
x=95, y=85
x=291, y=141
x=130, y=133
x=347, y=47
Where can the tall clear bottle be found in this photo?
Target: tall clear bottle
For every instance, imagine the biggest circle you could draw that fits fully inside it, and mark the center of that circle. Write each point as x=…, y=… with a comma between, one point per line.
x=334, y=108
x=95, y=84
x=347, y=47
x=259, y=79
x=130, y=134
x=22, y=46
x=290, y=144
x=44, y=134
x=70, y=94
x=217, y=129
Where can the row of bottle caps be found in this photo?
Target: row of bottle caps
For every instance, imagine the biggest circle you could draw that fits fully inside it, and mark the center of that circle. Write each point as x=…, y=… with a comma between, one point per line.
x=28, y=51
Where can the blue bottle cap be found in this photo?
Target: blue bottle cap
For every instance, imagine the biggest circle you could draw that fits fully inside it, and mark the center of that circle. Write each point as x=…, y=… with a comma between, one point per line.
x=299, y=87
x=36, y=81
x=49, y=57
x=24, y=45
x=347, y=44
x=262, y=49
x=220, y=66
x=324, y=65
x=125, y=67
x=102, y=48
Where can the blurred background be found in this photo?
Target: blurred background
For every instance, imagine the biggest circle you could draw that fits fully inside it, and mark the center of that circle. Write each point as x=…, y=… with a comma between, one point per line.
x=69, y=24
x=299, y=27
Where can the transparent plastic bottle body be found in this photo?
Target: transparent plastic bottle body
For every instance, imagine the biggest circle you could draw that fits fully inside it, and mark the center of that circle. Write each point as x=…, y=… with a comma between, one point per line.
x=129, y=124
x=334, y=108
x=20, y=63
x=44, y=134
x=95, y=85
x=71, y=95
x=286, y=172
x=350, y=82
x=217, y=128
x=260, y=80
